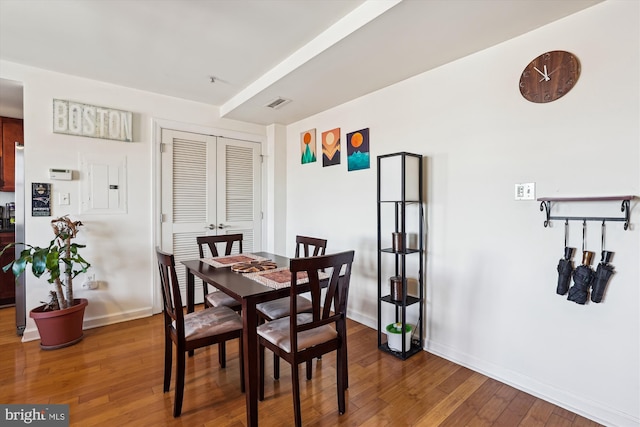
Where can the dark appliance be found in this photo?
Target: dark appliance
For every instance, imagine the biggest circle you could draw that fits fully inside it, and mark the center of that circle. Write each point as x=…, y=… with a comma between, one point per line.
x=9, y=216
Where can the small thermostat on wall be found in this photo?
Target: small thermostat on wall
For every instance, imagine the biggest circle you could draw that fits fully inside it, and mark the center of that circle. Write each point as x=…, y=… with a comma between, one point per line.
x=60, y=174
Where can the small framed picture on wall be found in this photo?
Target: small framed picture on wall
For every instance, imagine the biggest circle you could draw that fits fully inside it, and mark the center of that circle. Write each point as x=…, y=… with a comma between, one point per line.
x=40, y=199
x=308, y=146
x=358, y=150
x=331, y=147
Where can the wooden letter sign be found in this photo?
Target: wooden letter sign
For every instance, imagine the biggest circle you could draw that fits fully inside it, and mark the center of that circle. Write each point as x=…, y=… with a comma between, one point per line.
x=73, y=118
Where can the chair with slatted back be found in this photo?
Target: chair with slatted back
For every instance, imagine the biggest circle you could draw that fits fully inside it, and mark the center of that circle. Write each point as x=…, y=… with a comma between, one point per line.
x=271, y=310
x=217, y=298
x=304, y=336
x=214, y=325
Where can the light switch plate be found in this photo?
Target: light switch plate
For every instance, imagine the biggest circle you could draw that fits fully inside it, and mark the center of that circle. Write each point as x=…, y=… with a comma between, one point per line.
x=526, y=191
x=63, y=199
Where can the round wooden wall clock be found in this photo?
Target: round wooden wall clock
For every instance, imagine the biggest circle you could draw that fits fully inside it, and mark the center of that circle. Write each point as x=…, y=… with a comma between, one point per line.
x=549, y=76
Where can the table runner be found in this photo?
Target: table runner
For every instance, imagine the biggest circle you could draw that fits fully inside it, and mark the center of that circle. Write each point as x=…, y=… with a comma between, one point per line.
x=281, y=277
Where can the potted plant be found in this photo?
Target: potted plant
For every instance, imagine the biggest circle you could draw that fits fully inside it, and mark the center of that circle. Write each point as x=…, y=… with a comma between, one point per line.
x=59, y=321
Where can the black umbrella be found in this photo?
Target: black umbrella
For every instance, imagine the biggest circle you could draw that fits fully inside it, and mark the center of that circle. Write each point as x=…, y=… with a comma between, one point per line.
x=565, y=265
x=603, y=274
x=604, y=271
x=582, y=278
x=565, y=269
x=583, y=275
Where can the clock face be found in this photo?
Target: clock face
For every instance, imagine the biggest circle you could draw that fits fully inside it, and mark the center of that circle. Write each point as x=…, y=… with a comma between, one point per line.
x=550, y=76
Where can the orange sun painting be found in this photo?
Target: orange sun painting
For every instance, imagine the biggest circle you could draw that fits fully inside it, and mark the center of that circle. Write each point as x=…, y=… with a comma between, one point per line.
x=331, y=147
x=358, y=150
x=308, y=146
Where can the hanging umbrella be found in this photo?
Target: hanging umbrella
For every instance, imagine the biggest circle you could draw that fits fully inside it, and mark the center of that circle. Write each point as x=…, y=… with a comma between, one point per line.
x=604, y=271
x=583, y=274
x=602, y=276
x=582, y=278
x=565, y=265
x=565, y=269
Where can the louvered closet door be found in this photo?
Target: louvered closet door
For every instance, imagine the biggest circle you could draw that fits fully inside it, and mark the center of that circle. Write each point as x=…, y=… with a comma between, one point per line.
x=210, y=185
x=238, y=181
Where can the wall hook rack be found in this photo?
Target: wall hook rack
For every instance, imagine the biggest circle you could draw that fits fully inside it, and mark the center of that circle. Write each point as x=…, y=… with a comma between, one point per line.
x=545, y=205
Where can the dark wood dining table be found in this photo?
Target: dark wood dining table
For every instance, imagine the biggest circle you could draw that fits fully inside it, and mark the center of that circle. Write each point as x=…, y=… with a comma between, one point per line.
x=249, y=293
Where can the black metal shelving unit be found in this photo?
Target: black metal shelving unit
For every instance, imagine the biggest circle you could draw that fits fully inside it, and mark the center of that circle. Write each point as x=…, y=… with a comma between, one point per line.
x=401, y=169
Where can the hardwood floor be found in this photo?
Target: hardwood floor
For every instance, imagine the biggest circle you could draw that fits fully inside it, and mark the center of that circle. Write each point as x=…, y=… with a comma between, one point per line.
x=114, y=377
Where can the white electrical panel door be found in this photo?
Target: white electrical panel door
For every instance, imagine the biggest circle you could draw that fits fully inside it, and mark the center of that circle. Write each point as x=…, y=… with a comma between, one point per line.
x=103, y=181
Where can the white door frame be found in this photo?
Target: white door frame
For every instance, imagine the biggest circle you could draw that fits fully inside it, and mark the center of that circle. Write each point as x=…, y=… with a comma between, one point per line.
x=157, y=126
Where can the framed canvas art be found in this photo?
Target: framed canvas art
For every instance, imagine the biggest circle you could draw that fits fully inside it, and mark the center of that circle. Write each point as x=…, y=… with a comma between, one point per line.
x=358, y=150
x=40, y=199
x=308, y=146
x=331, y=147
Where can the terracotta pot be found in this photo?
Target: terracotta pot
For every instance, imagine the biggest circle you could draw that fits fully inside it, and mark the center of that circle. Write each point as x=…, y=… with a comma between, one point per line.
x=60, y=328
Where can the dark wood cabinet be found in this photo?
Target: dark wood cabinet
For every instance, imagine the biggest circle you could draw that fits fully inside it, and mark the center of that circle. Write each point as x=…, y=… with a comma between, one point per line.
x=7, y=280
x=12, y=132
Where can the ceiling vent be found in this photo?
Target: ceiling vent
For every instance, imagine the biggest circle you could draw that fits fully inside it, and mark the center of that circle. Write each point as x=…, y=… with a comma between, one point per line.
x=277, y=103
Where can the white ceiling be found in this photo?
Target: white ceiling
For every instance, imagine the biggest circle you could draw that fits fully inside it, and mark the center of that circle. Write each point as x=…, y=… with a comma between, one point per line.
x=318, y=53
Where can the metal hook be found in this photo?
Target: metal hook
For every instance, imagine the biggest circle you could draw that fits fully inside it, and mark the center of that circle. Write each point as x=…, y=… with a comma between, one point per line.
x=602, y=237
x=584, y=233
x=566, y=232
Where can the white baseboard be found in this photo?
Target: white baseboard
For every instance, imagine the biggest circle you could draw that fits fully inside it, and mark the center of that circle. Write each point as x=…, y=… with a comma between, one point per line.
x=363, y=319
x=31, y=334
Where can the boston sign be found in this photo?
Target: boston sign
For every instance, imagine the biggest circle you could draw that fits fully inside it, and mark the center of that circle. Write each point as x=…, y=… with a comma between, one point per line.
x=72, y=118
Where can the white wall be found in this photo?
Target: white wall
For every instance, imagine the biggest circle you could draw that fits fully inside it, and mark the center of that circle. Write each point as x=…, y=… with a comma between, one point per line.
x=119, y=246
x=491, y=265
x=276, y=170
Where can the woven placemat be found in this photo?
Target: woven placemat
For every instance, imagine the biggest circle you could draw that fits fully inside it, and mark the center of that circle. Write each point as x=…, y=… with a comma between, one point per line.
x=229, y=260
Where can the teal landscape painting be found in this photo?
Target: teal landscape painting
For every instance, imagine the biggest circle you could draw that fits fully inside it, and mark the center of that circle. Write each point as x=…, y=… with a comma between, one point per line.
x=308, y=146
x=358, y=150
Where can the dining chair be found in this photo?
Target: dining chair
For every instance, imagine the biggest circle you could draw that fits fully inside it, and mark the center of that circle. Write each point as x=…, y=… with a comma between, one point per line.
x=214, y=325
x=277, y=309
x=217, y=298
x=304, y=336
